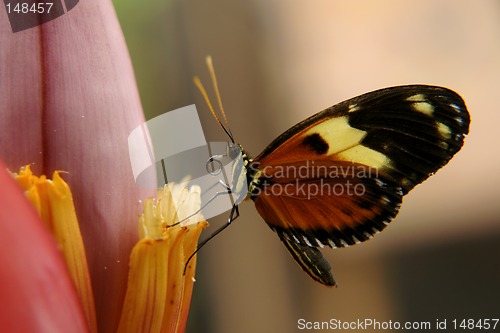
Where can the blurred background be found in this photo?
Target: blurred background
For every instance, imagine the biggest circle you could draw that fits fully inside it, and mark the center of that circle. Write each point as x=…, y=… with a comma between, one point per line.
x=280, y=61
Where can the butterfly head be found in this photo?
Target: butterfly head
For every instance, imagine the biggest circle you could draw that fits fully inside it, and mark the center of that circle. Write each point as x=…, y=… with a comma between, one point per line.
x=234, y=150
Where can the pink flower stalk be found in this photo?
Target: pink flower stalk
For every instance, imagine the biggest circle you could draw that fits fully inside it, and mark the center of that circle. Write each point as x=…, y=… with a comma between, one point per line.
x=68, y=101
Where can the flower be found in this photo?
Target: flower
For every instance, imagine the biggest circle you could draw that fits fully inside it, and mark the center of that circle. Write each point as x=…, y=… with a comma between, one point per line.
x=68, y=101
x=158, y=294
x=53, y=202
x=159, y=285
x=36, y=291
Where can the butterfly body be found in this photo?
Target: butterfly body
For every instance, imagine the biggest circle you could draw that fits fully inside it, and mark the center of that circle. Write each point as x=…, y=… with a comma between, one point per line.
x=338, y=178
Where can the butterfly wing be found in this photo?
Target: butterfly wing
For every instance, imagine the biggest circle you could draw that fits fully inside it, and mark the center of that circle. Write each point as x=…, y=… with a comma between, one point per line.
x=311, y=260
x=334, y=208
x=382, y=143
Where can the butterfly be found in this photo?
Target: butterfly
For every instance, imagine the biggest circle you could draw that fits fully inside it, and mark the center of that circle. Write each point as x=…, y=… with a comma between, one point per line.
x=338, y=178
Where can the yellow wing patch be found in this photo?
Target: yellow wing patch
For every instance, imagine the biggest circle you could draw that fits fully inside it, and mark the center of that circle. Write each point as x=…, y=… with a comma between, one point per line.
x=337, y=132
x=420, y=104
x=444, y=130
x=423, y=107
x=344, y=141
x=416, y=98
x=364, y=155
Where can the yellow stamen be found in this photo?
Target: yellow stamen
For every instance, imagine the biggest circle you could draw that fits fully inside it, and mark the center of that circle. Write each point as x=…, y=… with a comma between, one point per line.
x=53, y=201
x=158, y=292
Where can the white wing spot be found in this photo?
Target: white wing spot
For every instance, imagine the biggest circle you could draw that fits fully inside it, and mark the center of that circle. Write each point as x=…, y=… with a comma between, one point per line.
x=416, y=98
x=455, y=107
x=307, y=241
x=320, y=244
x=420, y=104
x=385, y=198
x=353, y=108
x=444, y=130
x=332, y=244
x=367, y=234
x=423, y=107
x=344, y=244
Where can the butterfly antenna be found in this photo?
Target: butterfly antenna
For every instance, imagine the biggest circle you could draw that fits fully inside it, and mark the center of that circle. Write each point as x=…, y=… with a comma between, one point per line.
x=211, y=69
x=202, y=90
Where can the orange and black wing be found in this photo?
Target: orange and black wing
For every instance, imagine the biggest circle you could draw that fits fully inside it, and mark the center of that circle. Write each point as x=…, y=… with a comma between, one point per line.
x=338, y=177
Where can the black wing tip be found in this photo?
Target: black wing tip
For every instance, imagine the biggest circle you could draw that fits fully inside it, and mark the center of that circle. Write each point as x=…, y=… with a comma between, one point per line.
x=419, y=128
x=328, y=281
x=311, y=260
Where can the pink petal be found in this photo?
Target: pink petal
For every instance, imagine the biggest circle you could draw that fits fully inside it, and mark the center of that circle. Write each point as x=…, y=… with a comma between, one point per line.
x=36, y=291
x=68, y=102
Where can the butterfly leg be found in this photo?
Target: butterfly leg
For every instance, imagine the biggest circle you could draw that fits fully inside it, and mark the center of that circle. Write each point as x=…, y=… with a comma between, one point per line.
x=235, y=213
x=215, y=196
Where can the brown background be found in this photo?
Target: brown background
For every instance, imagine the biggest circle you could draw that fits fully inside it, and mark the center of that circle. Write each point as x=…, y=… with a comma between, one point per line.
x=281, y=61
